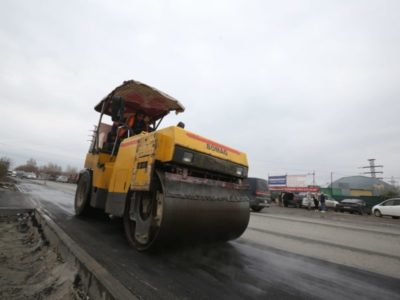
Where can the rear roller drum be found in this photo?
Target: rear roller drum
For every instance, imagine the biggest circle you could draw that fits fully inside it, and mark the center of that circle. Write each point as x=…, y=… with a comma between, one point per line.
x=82, y=195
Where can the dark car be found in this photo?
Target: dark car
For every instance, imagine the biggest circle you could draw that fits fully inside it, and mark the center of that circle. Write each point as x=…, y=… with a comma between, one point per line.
x=259, y=195
x=353, y=206
x=291, y=199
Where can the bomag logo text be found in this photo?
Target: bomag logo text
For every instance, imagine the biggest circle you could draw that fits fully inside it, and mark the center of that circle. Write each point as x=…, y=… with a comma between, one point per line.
x=217, y=149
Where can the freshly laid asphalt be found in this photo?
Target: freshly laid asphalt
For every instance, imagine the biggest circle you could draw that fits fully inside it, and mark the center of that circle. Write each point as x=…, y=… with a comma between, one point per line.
x=241, y=269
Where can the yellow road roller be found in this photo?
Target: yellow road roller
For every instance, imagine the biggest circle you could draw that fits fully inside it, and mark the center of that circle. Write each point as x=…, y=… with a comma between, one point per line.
x=169, y=185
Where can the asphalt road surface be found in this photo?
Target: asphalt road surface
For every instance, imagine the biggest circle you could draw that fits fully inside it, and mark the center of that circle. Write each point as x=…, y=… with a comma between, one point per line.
x=285, y=253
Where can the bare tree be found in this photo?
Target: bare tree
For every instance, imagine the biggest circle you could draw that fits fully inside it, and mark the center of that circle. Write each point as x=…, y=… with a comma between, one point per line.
x=5, y=163
x=70, y=171
x=51, y=169
x=30, y=166
x=31, y=162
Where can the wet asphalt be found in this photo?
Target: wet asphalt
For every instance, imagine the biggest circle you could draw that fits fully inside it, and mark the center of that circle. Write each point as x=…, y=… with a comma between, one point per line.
x=241, y=269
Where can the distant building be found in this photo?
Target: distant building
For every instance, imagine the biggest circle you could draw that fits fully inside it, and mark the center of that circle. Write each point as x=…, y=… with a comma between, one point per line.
x=357, y=186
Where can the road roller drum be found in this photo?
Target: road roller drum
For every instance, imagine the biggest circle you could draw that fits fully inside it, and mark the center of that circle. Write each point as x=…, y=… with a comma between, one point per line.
x=186, y=210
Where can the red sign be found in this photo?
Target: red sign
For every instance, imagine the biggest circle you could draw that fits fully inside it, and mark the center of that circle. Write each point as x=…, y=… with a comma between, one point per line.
x=294, y=189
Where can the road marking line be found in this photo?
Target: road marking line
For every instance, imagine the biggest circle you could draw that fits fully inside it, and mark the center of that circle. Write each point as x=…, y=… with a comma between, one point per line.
x=308, y=240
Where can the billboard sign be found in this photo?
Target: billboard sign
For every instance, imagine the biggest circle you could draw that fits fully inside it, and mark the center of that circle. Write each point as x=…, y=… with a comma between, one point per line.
x=296, y=181
x=290, y=183
x=277, y=181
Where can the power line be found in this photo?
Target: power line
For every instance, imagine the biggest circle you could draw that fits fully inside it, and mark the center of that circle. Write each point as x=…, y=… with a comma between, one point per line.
x=372, y=168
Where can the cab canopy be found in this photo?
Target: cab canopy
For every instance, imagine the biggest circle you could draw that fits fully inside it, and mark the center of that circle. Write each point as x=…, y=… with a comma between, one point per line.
x=141, y=97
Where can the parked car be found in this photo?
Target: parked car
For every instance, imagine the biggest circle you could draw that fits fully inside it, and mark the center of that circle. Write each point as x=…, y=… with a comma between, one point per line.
x=62, y=178
x=307, y=201
x=291, y=199
x=259, y=195
x=73, y=178
x=390, y=207
x=20, y=174
x=353, y=206
x=329, y=202
x=30, y=175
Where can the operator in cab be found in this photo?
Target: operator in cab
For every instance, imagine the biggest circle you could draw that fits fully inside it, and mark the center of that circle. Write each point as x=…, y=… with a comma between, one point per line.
x=142, y=123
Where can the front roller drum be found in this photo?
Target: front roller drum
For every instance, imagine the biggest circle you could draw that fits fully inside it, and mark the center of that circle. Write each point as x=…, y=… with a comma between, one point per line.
x=185, y=209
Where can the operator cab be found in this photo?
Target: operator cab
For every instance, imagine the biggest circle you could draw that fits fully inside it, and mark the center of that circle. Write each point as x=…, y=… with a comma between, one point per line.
x=135, y=101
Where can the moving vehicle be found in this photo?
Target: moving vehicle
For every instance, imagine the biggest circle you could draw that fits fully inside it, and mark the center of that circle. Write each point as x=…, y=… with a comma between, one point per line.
x=259, y=195
x=353, y=206
x=169, y=185
x=390, y=207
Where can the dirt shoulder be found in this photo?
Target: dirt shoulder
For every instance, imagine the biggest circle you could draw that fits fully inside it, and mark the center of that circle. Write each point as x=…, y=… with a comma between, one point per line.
x=29, y=267
x=7, y=184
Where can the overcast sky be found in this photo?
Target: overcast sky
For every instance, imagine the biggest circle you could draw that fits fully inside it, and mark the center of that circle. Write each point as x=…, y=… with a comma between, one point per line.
x=297, y=85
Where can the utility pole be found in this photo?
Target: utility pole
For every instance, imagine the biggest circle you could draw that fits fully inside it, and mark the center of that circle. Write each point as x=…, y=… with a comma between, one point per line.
x=331, y=184
x=372, y=168
x=313, y=178
x=393, y=181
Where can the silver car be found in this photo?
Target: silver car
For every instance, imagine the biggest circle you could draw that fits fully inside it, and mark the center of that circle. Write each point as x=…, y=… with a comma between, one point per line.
x=309, y=202
x=62, y=178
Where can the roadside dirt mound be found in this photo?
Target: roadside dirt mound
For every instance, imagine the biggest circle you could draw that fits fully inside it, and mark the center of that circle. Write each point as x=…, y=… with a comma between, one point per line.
x=29, y=267
x=7, y=185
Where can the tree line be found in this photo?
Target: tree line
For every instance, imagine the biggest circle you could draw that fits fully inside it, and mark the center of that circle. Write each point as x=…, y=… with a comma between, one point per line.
x=31, y=166
x=4, y=166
